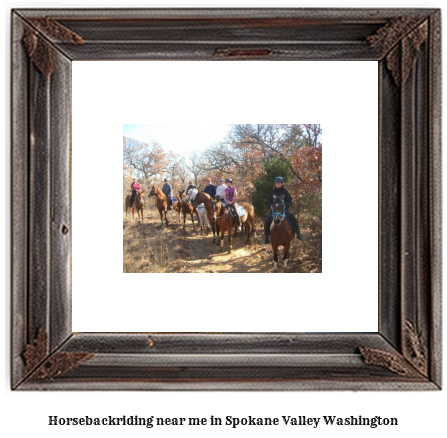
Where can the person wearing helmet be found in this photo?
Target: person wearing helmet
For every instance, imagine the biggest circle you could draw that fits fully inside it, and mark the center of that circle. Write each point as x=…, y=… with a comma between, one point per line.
x=167, y=190
x=134, y=187
x=231, y=199
x=278, y=191
x=210, y=188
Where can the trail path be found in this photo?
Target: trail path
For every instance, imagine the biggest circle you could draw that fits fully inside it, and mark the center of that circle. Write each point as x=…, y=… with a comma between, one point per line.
x=194, y=253
x=204, y=256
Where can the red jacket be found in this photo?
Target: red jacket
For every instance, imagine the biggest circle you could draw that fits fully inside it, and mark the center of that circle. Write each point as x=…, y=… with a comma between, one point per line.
x=135, y=186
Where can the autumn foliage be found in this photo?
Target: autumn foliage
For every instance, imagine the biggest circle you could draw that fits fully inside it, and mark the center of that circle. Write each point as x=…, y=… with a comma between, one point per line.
x=244, y=155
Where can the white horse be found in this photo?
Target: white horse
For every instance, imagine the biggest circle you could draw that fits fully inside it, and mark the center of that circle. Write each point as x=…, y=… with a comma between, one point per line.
x=201, y=210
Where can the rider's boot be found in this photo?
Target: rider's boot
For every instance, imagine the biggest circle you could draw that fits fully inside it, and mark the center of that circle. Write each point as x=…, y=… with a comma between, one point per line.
x=296, y=225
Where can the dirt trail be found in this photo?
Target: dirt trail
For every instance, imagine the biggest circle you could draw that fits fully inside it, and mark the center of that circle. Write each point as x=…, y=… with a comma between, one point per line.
x=188, y=251
x=205, y=256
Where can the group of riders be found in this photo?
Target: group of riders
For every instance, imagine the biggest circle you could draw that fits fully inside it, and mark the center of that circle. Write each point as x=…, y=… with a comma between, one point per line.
x=228, y=196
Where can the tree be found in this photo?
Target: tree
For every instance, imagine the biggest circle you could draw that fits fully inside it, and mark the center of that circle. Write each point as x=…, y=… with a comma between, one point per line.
x=195, y=166
x=264, y=184
x=146, y=160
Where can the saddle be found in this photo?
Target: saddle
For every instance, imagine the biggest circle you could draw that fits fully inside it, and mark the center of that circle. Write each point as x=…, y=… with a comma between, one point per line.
x=240, y=210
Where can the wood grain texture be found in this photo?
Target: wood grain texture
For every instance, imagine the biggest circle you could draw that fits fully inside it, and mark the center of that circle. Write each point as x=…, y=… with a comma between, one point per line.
x=19, y=204
x=60, y=199
x=435, y=195
x=389, y=207
x=409, y=335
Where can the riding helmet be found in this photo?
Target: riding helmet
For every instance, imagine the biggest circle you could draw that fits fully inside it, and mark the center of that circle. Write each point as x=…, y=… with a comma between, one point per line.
x=229, y=180
x=279, y=179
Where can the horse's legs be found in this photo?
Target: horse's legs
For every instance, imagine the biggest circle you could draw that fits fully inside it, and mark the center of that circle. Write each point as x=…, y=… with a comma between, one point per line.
x=286, y=253
x=218, y=233
x=192, y=218
x=161, y=216
x=166, y=217
x=247, y=229
x=222, y=235
x=252, y=223
x=230, y=238
x=197, y=217
x=275, y=255
x=215, y=231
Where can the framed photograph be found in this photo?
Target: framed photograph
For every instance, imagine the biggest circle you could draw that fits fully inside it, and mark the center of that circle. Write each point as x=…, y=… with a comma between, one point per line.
x=51, y=350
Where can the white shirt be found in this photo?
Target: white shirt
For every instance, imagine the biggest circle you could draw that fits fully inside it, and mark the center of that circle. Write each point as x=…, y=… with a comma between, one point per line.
x=220, y=191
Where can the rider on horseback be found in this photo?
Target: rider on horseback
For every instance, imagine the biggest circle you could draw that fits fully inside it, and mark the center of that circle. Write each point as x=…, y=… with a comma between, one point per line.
x=279, y=191
x=190, y=187
x=231, y=198
x=220, y=191
x=167, y=190
x=134, y=187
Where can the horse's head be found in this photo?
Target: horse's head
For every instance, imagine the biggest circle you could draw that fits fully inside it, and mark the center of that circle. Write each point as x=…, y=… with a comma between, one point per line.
x=278, y=209
x=191, y=195
x=180, y=195
x=153, y=192
x=216, y=206
x=198, y=199
x=140, y=198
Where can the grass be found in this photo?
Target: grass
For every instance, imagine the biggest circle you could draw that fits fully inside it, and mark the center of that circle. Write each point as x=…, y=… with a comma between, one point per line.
x=151, y=248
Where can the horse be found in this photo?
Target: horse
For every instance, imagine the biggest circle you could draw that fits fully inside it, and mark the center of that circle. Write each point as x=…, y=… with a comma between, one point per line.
x=138, y=202
x=187, y=208
x=177, y=206
x=281, y=230
x=162, y=203
x=221, y=214
x=200, y=210
x=207, y=201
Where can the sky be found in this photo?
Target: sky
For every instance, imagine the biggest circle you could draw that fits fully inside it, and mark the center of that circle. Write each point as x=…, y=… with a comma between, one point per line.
x=180, y=139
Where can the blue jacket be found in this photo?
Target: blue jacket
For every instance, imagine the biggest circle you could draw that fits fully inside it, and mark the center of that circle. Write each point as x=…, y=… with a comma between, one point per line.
x=167, y=189
x=211, y=190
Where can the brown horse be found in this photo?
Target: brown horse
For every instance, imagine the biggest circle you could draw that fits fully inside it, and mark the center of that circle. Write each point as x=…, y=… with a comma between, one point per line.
x=187, y=208
x=204, y=198
x=177, y=206
x=221, y=214
x=162, y=203
x=281, y=230
x=139, y=204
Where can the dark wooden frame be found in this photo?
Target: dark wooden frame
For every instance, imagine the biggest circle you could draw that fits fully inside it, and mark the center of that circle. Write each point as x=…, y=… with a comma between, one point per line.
x=405, y=354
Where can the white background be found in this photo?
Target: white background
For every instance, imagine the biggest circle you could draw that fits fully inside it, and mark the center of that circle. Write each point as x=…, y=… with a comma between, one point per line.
x=346, y=105
x=419, y=414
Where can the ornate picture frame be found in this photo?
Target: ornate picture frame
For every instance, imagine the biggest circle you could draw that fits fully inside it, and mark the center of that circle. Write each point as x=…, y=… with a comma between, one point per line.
x=405, y=353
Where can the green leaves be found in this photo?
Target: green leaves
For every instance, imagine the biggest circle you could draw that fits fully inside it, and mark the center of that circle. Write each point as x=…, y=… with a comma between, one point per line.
x=265, y=183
